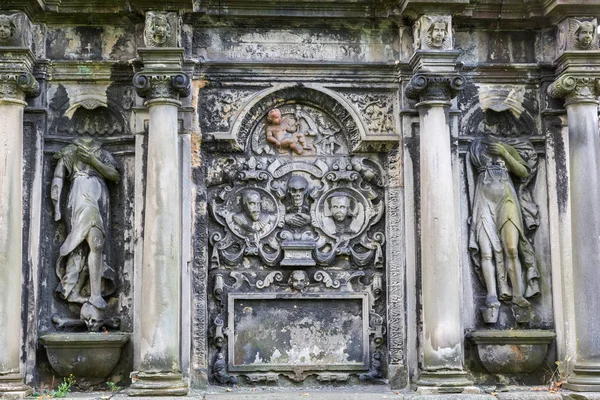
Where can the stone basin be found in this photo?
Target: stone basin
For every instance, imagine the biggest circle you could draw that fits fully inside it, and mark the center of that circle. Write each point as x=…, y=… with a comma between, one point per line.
x=512, y=351
x=89, y=356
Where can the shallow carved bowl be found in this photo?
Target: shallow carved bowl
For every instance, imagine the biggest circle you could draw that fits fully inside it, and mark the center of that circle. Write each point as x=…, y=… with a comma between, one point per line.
x=512, y=351
x=85, y=355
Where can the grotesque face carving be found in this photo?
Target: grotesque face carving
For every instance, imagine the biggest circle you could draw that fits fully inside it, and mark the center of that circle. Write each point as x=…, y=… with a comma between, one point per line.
x=297, y=186
x=161, y=29
x=585, y=35
x=252, y=204
x=437, y=33
x=6, y=28
x=299, y=280
x=339, y=206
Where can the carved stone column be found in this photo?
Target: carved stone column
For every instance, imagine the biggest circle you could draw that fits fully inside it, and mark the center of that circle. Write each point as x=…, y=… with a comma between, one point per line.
x=161, y=83
x=581, y=93
x=578, y=71
x=434, y=85
x=16, y=81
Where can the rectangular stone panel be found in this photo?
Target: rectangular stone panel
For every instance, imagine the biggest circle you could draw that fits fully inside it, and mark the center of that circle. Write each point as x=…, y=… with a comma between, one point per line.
x=283, y=332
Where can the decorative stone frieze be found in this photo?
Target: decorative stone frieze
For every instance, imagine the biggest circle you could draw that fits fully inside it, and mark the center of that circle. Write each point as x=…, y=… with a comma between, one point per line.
x=430, y=87
x=575, y=89
x=161, y=86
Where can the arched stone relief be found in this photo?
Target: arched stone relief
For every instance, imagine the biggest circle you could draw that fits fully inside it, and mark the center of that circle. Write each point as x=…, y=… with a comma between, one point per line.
x=310, y=99
x=296, y=224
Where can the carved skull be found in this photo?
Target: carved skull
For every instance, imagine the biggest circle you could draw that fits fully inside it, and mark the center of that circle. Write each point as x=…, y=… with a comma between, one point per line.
x=299, y=280
x=92, y=316
x=297, y=186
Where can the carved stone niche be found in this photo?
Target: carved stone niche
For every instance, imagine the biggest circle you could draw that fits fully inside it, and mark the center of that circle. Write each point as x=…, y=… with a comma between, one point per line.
x=298, y=107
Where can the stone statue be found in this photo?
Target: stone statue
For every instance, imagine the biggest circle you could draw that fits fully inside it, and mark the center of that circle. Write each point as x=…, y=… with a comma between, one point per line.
x=81, y=266
x=436, y=34
x=284, y=136
x=584, y=34
x=503, y=212
x=341, y=218
x=297, y=213
x=158, y=30
x=252, y=222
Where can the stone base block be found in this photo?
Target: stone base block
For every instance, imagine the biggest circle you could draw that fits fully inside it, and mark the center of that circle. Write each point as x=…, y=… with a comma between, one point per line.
x=586, y=378
x=12, y=387
x=445, y=381
x=158, y=384
x=566, y=395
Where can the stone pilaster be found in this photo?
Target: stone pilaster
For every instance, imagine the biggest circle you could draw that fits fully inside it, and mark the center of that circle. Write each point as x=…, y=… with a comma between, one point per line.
x=581, y=87
x=161, y=83
x=16, y=82
x=433, y=85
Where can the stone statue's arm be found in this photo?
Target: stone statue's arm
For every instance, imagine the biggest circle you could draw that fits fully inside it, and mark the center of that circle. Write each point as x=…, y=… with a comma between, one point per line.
x=106, y=170
x=56, y=190
x=514, y=162
x=271, y=137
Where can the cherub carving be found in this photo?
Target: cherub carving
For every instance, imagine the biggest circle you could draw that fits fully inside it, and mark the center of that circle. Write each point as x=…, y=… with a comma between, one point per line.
x=283, y=135
x=583, y=34
x=8, y=30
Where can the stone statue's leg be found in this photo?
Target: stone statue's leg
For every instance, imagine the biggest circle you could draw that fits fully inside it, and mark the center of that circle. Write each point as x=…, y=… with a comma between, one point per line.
x=510, y=242
x=488, y=270
x=95, y=239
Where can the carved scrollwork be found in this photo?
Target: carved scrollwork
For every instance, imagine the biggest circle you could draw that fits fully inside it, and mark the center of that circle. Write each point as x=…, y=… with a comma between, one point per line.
x=269, y=279
x=431, y=87
x=17, y=86
x=161, y=86
x=575, y=88
x=328, y=281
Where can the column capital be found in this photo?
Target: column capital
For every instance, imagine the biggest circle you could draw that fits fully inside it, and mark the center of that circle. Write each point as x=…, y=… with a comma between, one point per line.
x=576, y=89
x=161, y=85
x=425, y=87
x=15, y=86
